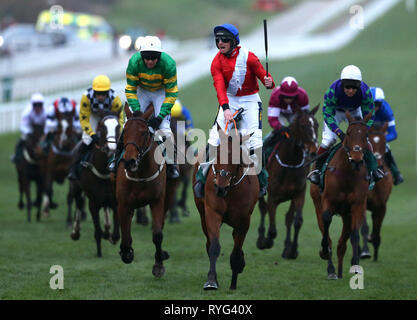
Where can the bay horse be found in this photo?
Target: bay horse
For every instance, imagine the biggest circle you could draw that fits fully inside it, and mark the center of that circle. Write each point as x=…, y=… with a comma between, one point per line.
x=141, y=180
x=55, y=166
x=287, y=180
x=230, y=196
x=28, y=171
x=377, y=197
x=346, y=184
x=96, y=184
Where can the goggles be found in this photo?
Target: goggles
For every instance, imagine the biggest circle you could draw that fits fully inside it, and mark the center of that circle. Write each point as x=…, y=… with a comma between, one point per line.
x=150, y=55
x=223, y=39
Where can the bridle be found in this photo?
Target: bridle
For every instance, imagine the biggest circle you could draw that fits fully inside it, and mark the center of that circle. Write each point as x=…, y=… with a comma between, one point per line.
x=355, y=148
x=229, y=175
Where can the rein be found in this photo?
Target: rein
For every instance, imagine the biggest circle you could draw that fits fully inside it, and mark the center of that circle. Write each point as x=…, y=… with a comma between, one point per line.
x=225, y=173
x=299, y=165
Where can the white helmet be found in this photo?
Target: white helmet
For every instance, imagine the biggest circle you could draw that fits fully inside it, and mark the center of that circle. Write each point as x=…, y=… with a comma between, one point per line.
x=150, y=43
x=351, y=72
x=379, y=94
x=37, y=98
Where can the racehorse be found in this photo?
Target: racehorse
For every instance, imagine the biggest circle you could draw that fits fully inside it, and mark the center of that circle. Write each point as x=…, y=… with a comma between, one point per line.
x=141, y=180
x=346, y=184
x=28, y=170
x=287, y=180
x=230, y=196
x=55, y=166
x=378, y=197
x=95, y=182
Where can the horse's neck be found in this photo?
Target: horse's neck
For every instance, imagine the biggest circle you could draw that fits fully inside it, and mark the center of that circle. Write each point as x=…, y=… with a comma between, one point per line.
x=290, y=152
x=100, y=159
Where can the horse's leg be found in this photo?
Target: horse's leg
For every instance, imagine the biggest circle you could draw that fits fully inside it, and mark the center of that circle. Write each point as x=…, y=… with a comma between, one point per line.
x=260, y=243
x=98, y=233
x=183, y=201
x=272, y=230
x=357, y=212
x=70, y=199
x=26, y=188
x=365, y=254
x=341, y=246
x=20, y=205
x=107, y=226
x=75, y=233
x=158, y=218
x=116, y=227
x=125, y=215
x=326, y=252
x=237, y=259
x=213, y=221
x=289, y=219
x=46, y=201
x=141, y=217
x=377, y=218
x=298, y=222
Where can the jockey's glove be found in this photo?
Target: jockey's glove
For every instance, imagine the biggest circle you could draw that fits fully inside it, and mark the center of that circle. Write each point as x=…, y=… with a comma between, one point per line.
x=94, y=138
x=154, y=124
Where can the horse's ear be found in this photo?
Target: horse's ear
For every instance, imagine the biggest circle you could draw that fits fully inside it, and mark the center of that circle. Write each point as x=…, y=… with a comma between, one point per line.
x=385, y=127
x=148, y=112
x=127, y=111
x=348, y=116
x=367, y=117
x=314, y=110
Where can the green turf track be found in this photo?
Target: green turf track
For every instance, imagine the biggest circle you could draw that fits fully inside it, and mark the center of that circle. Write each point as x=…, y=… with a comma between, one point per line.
x=385, y=52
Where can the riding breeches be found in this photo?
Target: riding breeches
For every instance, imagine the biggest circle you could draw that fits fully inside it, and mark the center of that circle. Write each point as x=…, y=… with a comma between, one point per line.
x=157, y=98
x=328, y=136
x=94, y=120
x=251, y=122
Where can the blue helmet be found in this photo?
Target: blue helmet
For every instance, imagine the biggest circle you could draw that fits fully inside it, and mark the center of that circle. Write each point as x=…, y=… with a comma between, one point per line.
x=230, y=28
x=377, y=93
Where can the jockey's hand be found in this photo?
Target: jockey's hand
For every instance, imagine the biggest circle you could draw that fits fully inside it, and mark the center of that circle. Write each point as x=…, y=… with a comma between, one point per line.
x=268, y=82
x=154, y=124
x=228, y=116
x=341, y=136
x=95, y=139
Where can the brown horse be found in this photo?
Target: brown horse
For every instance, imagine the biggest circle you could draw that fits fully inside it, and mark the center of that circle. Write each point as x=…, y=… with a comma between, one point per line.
x=28, y=170
x=287, y=180
x=55, y=166
x=230, y=196
x=141, y=180
x=96, y=184
x=378, y=197
x=345, y=191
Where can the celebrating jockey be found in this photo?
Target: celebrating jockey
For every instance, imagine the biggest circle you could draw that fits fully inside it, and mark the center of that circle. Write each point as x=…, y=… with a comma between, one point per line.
x=100, y=97
x=60, y=106
x=349, y=93
x=151, y=77
x=33, y=114
x=285, y=100
x=235, y=71
x=383, y=113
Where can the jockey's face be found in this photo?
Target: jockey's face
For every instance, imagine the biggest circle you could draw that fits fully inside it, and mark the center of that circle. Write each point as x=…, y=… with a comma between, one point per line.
x=288, y=100
x=101, y=95
x=377, y=105
x=150, y=63
x=224, y=44
x=37, y=107
x=350, y=91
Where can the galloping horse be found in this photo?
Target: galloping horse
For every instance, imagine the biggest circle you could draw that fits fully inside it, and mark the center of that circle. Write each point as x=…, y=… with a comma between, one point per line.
x=95, y=182
x=55, y=166
x=141, y=180
x=378, y=197
x=287, y=180
x=345, y=191
x=230, y=196
x=28, y=170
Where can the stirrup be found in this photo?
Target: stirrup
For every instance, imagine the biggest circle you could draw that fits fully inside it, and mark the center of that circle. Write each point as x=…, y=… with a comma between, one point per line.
x=314, y=176
x=398, y=179
x=199, y=189
x=172, y=172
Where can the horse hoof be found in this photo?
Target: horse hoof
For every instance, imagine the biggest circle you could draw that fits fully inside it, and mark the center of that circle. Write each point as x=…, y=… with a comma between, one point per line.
x=365, y=255
x=265, y=243
x=106, y=235
x=324, y=255
x=75, y=236
x=127, y=256
x=185, y=213
x=158, y=270
x=332, y=276
x=20, y=205
x=113, y=240
x=211, y=285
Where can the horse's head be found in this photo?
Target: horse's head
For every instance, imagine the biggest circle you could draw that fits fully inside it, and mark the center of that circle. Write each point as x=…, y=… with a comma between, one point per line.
x=304, y=130
x=108, y=131
x=229, y=161
x=356, y=140
x=377, y=138
x=65, y=131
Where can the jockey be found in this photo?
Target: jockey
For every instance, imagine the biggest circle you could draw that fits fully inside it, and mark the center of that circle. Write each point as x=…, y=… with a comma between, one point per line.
x=349, y=93
x=235, y=72
x=181, y=113
x=61, y=105
x=383, y=113
x=100, y=97
x=151, y=77
x=284, y=101
x=33, y=114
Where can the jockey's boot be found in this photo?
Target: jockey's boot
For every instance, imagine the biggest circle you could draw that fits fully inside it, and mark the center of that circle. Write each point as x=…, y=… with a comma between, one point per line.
x=119, y=149
x=372, y=165
x=74, y=173
x=201, y=174
x=263, y=174
x=389, y=158
x=314, y=176
x=18, y=151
